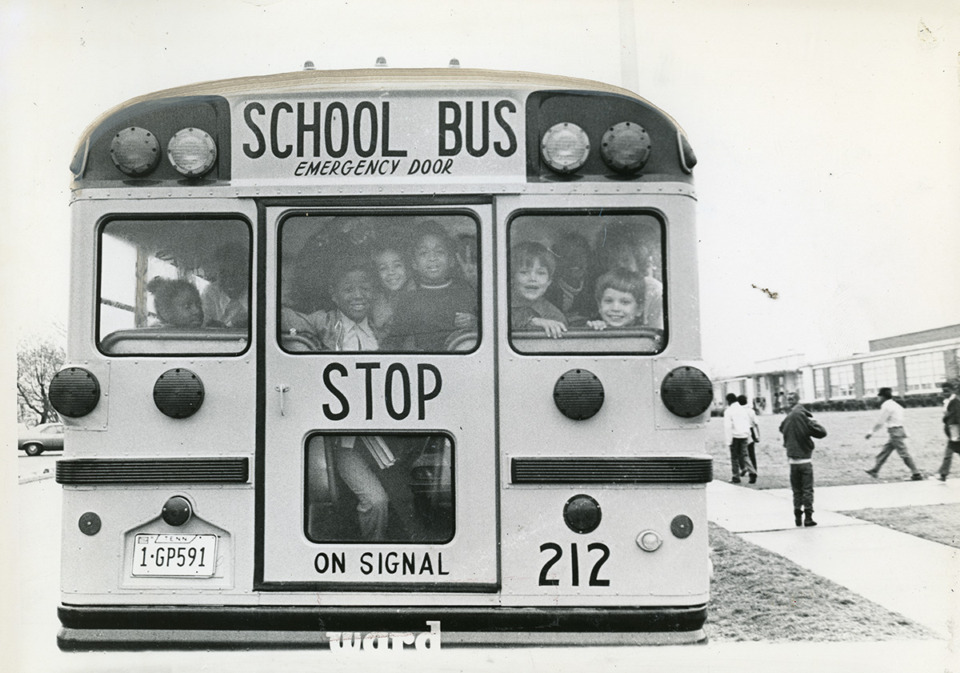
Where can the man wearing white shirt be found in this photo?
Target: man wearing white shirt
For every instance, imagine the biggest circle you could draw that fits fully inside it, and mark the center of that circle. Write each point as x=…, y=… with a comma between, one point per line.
x=736, y=433
x=891, y=416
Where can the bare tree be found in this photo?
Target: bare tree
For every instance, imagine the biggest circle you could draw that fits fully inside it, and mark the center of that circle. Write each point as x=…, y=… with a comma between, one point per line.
x=38, y=359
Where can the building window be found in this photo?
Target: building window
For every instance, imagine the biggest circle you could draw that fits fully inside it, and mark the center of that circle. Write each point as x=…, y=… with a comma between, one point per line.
x=819, y=387
x=841, y=381
x=925, y=372
x=878, y=374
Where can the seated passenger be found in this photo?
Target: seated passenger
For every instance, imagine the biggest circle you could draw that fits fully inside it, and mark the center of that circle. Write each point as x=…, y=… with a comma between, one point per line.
x=224, y=300
x=177, y=302
x=347, y=327
x=532, y=267
x=391, y=264
x=571, y=290
x=620, y=295
x=442, y=303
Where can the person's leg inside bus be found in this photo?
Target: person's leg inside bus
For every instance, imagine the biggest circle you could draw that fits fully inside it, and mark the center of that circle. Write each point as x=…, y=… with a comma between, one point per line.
x=372, y=501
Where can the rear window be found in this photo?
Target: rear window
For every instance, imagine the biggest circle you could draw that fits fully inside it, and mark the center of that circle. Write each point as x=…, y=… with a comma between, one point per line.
x=174, y=286
x=586, y=283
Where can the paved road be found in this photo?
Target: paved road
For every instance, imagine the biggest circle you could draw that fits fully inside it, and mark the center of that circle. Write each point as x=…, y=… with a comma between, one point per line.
x=37, y=592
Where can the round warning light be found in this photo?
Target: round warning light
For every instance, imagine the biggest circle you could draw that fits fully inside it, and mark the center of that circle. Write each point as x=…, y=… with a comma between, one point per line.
x=686, y=392
x=625, y=147
x=681, y=526
x=193, y=152
x=581, y=514
x=135, y=151
x=565, y=147
x=178, y=393
x=578, y=394
x=74, y=392
x=176, y=511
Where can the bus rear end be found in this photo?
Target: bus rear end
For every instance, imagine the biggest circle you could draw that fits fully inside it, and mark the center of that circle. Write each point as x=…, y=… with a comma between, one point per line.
x=384, y=351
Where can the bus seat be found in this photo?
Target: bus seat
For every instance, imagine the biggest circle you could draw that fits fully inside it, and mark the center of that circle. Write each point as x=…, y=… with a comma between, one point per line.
x=323, y=493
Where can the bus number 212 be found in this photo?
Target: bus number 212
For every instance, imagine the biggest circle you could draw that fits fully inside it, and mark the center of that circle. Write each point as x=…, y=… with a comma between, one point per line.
x=557, y=554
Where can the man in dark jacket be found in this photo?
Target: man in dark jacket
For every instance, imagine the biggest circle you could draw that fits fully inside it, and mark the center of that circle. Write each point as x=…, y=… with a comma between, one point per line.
x=951, y=427
x=799, y=429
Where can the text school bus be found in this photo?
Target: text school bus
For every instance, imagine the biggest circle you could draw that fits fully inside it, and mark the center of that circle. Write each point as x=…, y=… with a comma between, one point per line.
x=354, y=350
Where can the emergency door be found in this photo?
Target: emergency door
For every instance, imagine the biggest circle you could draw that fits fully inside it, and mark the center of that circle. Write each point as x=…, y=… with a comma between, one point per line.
x=378, y=464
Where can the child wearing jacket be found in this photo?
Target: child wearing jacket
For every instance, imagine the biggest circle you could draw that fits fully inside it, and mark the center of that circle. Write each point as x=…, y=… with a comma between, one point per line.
x=799, y=429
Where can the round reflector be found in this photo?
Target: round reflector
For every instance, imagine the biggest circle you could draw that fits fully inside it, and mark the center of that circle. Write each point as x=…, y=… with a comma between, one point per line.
x=581, y=514
x=686, y=392
x=681, y=526
x=649, y=540
x=89, y=523
x=74, y=392
x=578, y=394
x=625, y=147
x=135, y=151
x=176, y=511
x=565, y=147
x=192, y=152
x=178, y=393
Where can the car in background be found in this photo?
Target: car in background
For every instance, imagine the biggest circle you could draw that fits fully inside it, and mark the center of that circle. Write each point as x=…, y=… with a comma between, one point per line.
x=43, y=437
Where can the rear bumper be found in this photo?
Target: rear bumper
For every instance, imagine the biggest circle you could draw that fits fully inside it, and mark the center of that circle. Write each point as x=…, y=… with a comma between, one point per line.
x=184, y=628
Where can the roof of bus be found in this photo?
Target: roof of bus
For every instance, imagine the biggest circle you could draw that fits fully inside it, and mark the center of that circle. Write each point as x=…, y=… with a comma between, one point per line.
x=366, y=79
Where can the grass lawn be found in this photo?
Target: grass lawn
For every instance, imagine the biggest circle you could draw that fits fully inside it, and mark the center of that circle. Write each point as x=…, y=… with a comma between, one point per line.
x=842, y=456
x=757, y=595
x=937, y=523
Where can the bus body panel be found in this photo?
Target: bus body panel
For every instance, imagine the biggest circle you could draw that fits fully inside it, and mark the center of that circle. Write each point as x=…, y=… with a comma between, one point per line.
x=474, y=434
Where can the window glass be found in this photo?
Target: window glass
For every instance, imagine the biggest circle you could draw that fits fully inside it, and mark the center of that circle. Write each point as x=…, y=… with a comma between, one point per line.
x=841, y=381
x=925, y=371
x=174, y=286
x=379, y=488
x=819, y=385
x=878, y=374
x=584, y=283
x=400, y=283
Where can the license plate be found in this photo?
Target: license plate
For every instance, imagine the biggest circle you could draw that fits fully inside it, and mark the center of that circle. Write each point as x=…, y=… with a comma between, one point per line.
x=175, y=555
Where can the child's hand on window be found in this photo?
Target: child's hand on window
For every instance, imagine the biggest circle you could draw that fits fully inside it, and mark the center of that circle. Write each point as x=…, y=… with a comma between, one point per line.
x=464, y=321
x=553, y=328
x=598, y=325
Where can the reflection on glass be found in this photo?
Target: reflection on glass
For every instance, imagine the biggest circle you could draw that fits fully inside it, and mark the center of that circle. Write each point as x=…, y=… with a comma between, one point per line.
x=407, y=283
x=379, y=488
x=174, y=286
x=586, y=283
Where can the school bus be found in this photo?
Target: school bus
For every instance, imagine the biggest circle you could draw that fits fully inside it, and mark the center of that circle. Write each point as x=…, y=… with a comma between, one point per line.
x=354, y=351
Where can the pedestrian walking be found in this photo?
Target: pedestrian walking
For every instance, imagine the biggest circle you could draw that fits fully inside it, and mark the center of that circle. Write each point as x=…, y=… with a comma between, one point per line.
x=799, y=429
x=891, y=416
x=736, y=432
x=951, y=427
x=752, y=439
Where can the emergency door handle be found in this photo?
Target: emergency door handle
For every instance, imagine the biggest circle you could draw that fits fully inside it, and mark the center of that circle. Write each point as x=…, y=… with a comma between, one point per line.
x=283, y=390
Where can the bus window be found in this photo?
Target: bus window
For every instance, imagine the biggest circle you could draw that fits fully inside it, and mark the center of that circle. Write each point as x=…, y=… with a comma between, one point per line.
x=397, y=283
x=379, y=488
x=586, y=283
x=174, y=286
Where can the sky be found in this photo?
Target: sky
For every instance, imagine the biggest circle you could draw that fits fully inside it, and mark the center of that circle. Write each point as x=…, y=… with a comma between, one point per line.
x=827, y=133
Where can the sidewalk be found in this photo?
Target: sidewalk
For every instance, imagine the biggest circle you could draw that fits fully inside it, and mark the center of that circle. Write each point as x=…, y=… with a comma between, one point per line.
x=914, y=577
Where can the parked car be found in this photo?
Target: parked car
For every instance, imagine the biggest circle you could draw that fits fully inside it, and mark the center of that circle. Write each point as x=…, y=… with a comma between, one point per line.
x=43, y=437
